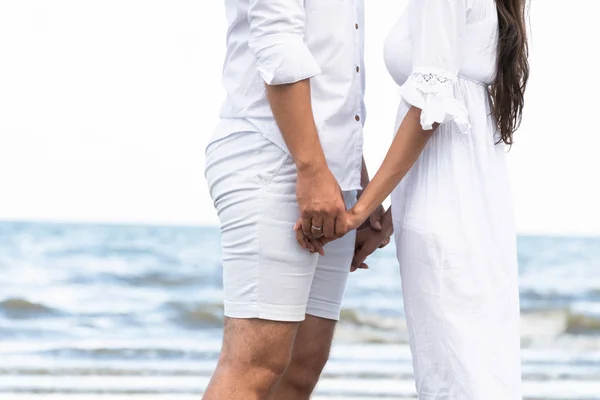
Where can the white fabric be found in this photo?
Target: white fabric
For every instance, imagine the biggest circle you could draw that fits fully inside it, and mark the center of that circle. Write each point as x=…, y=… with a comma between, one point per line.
x=433, y=92
x=452, y=213
x=285, y=41
x=266, y=274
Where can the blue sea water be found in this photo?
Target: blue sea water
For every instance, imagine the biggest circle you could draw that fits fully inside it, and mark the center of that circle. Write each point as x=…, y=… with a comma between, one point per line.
x=123, y=310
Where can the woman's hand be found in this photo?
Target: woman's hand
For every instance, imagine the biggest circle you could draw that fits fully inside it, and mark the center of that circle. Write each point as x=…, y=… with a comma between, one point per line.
x=367, y=241
x=375, y=220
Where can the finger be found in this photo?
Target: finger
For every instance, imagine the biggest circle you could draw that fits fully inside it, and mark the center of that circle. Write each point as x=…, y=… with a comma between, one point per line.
x=361, y=266
x=384, y=243
x=300, y=238
x=341, y=226
x=318, y=247
x=329, y=227
x=298, y=225
x=309, y=246
x=303, y=241
x=306, y=224
x=375, y=220
x=316, y=227
x=360, y=257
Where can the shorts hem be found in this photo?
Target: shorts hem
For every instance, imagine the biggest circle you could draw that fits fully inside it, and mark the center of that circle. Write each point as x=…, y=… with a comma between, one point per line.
x=323, y=310
x=268, y=312
x=432, y=396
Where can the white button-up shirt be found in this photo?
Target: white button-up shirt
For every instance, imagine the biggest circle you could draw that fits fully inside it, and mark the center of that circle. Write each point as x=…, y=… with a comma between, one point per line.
x=286, y=41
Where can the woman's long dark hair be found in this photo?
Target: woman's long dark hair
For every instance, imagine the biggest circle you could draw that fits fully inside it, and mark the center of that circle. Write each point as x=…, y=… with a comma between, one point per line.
x=508, y=89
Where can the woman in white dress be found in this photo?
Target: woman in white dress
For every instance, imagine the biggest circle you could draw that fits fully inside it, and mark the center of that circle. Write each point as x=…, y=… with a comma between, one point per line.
x=462, y=69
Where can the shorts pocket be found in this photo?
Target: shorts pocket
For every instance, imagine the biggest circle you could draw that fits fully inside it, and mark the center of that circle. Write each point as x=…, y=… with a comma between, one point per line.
x=280, y=166
x=271, y=161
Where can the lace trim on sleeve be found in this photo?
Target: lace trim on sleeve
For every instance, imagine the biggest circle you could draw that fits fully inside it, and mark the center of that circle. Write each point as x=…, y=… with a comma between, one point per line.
x=431, y=79
x=433, y=92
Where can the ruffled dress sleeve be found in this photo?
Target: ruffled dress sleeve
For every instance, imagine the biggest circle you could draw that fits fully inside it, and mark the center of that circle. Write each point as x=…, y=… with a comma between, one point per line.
x=436, y=28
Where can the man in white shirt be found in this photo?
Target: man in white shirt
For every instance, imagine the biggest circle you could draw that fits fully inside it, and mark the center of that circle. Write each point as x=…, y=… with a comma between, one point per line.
x=289, y=145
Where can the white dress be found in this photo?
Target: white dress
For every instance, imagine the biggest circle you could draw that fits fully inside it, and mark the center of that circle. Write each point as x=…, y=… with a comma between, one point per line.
x=452, y=213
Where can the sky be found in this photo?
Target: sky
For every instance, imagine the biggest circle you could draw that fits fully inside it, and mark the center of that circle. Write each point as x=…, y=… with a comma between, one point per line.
x=106, y=108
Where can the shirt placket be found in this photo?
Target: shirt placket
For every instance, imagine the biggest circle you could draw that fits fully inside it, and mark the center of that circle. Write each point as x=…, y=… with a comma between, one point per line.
x=357, y=88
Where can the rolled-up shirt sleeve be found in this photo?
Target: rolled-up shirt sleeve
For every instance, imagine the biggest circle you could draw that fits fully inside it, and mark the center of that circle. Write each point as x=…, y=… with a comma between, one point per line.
x=277, y=41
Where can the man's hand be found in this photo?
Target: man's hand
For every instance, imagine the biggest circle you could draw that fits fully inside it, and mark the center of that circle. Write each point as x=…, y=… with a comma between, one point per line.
x=322, y=208
x=321, y=203
x=367, y=241
x=346, y=222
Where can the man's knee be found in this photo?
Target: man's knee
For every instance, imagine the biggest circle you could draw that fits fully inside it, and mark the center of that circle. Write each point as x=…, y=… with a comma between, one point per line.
x=258, y=349
x=256, y=361
x=311, y=352
x=305, y=369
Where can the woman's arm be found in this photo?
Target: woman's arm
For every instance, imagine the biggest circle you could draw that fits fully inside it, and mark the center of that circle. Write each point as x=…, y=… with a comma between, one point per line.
x=375, y=218
x=406, y=148
x=436, y=27
x=403, y=153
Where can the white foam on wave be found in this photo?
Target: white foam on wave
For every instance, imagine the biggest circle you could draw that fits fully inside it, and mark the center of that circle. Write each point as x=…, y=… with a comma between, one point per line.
x=347, y=388
x=355, y=370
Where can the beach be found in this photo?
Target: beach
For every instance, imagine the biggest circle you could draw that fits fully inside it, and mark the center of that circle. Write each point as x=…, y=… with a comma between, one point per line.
x=92, y=312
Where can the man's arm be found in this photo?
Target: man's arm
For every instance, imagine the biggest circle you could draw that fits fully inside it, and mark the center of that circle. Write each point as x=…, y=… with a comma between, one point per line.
x=318, y=193
x=286, y=65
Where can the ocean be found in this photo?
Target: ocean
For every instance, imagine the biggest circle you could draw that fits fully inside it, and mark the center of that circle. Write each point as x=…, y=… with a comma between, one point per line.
x=119, y=312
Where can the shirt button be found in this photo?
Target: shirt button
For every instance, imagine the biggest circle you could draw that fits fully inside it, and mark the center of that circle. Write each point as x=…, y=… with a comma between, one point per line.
x=357, y=69
x=356, y=26
x=357, y=118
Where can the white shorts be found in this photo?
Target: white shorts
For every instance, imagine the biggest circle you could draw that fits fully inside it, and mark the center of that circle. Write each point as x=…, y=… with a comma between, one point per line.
x=266, y=274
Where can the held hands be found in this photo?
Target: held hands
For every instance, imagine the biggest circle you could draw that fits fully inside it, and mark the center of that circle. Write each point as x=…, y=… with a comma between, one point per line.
x=322, y=208
x=324, y=218
x=374, y=233
x=348, y=221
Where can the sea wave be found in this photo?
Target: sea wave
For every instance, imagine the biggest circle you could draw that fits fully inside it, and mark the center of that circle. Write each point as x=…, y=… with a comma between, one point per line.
x=158, y=279
x=582, y=324
x=195, y=315
x=356, y=325
x=129, y=353
x=126, y=252
x=362, y=326
x=23, y=308
x=336, y=369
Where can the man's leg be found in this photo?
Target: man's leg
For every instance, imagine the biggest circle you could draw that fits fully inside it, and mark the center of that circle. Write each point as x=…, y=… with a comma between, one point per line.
x=253, y=358
x=313, y=341
x=267, y=277
x=309, y=356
